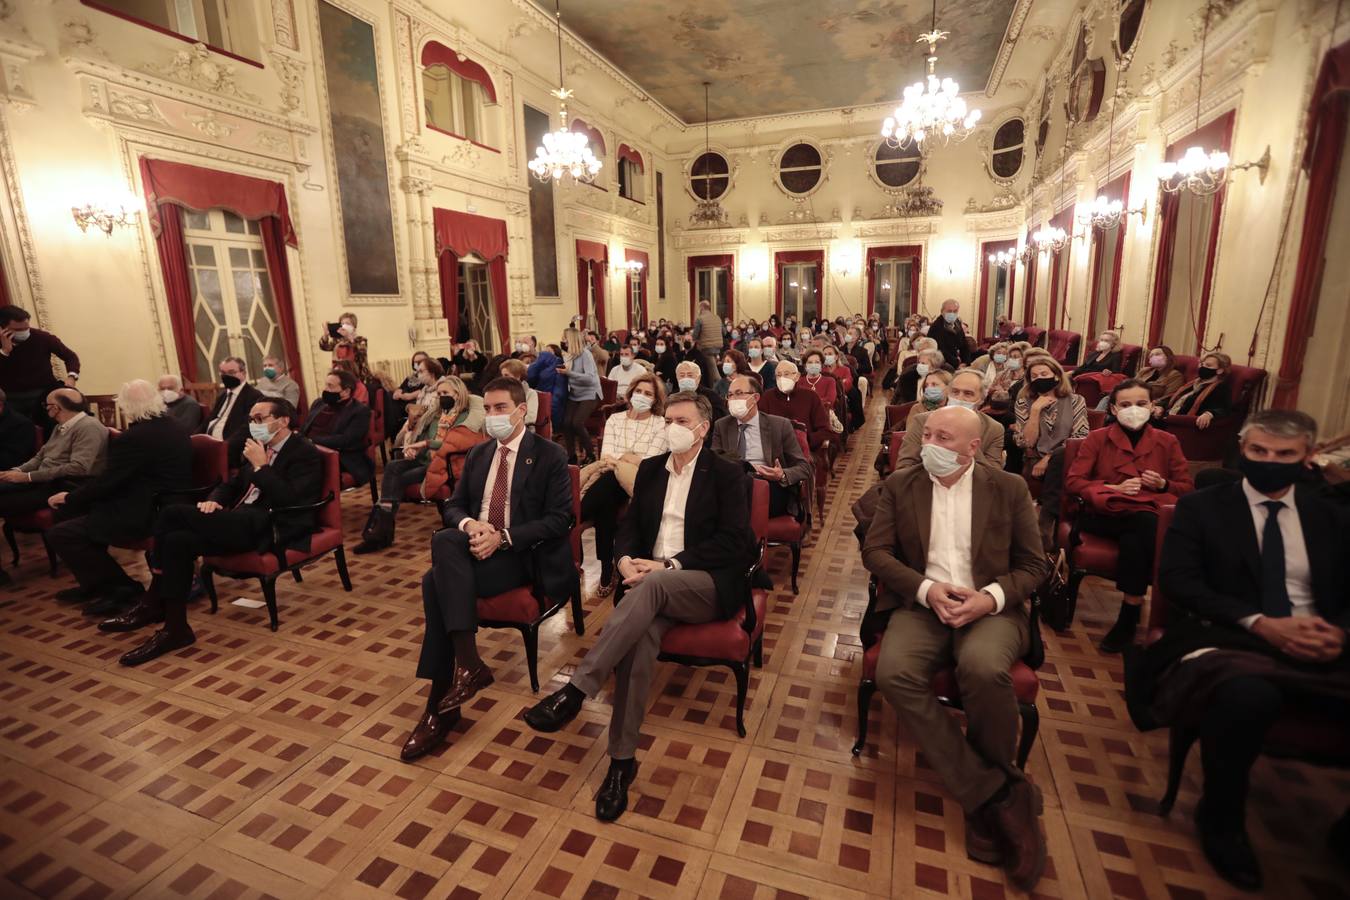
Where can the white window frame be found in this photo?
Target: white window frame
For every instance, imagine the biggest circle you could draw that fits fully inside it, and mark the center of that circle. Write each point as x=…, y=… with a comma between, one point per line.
x=793, y=275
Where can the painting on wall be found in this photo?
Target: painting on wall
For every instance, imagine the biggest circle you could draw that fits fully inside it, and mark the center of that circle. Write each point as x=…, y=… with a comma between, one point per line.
x=543, y=238
x=359, y=149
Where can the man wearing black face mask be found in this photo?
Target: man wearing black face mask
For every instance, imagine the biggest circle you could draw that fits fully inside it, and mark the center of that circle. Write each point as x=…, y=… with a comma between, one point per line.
x=1258, y=573
x=342, y=423
x=228, y=421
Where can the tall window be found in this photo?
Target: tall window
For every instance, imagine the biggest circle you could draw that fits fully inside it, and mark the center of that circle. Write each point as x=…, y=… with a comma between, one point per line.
x=454, y=104
x=233, y=310
x=996, y=286
x=475, y=304
x=800, y=169
x=1185, y=313
x=630, y=180
x=801, y=294
x=892, y=290
x=220, y=24
x=710, y=176
x=710, y=283
x=896, y=167
x=637, y=302
x=1006, y=158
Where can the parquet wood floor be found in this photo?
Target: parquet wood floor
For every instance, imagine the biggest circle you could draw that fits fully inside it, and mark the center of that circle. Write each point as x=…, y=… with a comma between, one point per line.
x=266, y=765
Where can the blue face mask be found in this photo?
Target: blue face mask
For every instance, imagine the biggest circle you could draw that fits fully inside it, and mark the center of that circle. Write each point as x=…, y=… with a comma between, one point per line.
x=1000, y=358
x=756, y=353
x=813, y=368
x=499, y=427
x=950, y=317
x=932, y=394
x=259, y=432
x=688, y=384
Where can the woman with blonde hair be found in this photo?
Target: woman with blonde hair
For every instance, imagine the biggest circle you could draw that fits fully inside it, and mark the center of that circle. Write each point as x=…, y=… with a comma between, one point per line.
x=1047, y=415
x=931, y=395
x=583, y=395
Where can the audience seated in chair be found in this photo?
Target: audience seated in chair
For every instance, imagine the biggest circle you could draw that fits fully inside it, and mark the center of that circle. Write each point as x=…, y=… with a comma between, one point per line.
x=1047, y=414
x=152, y=456
x=689, y=377
x=228, y=421
x=784, y=399
x=764, y=445
x=181, y=407
x=909, y=384
x=280, y=469
x=822, y=383
x=445, y=436
x=516, y=370
x=1207, y=397
x=342, y=424
x=1257, y=573
x=1105, y=356
x=965, y=389
x=275, y=382
x=1122, y=474
x=684, y=549
x=507, y=525
x=954, y=546
x=631, y=435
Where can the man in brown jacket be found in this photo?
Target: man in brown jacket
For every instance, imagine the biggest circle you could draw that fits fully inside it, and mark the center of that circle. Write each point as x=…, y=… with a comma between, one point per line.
x=957, y=553
x=966, y=389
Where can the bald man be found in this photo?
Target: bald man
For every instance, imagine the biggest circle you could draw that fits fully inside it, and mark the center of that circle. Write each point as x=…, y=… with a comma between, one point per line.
x=966, y=389
x=956, y=553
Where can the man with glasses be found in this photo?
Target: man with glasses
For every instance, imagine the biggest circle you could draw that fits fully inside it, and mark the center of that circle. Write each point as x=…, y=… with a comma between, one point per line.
x=280, y=469
x=762, y=443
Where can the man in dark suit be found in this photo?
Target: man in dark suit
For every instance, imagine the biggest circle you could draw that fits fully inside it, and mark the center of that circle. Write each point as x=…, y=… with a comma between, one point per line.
x=766, y=446
x=228, y=421
x=342, y=423
x=507, y=525
x=280, y=469
x=153, y=455
x=18, y=436
x=966, y=389
x=684, y=548
x=1258, y=576
x=950, y=334
x=957, y=553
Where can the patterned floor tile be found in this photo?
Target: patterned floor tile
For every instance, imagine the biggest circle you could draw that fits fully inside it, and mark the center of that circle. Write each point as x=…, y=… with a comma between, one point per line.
x=820, y=720
x=208, y=871
x=730, y=878
x=703, y=700
x=32, y=804
x=331, y=700
x=246, y=681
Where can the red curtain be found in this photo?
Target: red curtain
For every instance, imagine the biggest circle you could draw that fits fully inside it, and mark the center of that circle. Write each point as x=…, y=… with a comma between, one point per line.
x=1061, y=263
x=910, y=251
x=447, y=267
x=279, y=273
x=592, y=262
x=789, y=257
x=640, y=256
x=436, y=53
x=197, y=188
x=177, y=288
x=721, y=261
x=459, y=235
x=1327, y=116
x=628, y=153
x=581, y=126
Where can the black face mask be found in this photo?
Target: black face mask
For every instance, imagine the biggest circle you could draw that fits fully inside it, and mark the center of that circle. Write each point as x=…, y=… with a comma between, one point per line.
x=1206, y=372
x=332, y=398
x=1044, y=385
x=447, y=403
x=1269, y=477
x=230, y=382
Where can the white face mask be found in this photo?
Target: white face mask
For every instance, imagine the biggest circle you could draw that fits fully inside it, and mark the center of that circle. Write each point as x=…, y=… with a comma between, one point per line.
x=660, y=348
x=964, y=404
x=829, y=361
x=499, y=427
x=168, y=395
x=347, y=330
x=1134, y=417
x=21, y=335
x=1103, y=346
x=626, y=361
x=738, y=407
x=640, y=402
x=679, y=438
x=922, y=368
x=939, y=461
x=688, y=384
x=786, y=385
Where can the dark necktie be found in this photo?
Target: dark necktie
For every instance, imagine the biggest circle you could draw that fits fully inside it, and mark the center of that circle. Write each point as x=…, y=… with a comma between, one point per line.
x=500, y=485
x=1274, y=590
x=741, y=448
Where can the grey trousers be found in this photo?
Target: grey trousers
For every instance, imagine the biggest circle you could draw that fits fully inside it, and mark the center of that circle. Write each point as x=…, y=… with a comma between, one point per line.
x=631, y=640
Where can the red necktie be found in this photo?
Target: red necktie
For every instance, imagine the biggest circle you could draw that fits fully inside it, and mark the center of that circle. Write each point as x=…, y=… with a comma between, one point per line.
x=497, y=505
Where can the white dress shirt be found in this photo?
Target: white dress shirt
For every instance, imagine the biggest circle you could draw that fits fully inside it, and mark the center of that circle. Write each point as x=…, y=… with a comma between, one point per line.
x=670, y=536
x=950, y=541
x=514, y=447
x=217, y=427
x=1297, y=570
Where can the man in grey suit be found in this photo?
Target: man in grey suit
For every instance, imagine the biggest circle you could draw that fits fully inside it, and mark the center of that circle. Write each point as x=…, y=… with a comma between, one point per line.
x=966, y=389
x=766, y=445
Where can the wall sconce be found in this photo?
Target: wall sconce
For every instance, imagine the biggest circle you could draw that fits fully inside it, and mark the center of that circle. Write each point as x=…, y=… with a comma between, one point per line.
x=847, y=260
x=105, y=216
x=632, y=266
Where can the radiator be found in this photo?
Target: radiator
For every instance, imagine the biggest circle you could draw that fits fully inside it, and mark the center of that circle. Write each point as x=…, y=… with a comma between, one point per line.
x=396, y=369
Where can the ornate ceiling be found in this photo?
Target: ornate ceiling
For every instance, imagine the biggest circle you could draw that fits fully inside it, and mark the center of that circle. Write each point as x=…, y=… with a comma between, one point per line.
x=767, y=57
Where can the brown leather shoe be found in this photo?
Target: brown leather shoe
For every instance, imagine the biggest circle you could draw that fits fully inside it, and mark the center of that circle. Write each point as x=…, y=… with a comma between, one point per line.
x=161, y=642
x=428, y=734
x=142, y=614
x=467, y=684
x=1017, y=819
x=982, y=840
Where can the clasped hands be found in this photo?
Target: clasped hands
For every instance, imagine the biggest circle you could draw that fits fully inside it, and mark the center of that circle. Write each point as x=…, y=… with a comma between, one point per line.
x=958, y=606
x=1308, y=638
x=633, y=570
x=1149, y=479
x=484, y=540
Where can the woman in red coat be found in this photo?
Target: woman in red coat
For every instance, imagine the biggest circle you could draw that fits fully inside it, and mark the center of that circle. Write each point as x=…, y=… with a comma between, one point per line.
x=1124, y=473
x=817, y=379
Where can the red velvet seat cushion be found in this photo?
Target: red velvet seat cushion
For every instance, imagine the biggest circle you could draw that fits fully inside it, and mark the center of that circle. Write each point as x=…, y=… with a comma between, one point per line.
x=321, y=541
x=348, y=481
x=1025, y=683
x=717, y=640
x=37, y=520
x=515, y=605
x=1096, y=554
x=784, y=530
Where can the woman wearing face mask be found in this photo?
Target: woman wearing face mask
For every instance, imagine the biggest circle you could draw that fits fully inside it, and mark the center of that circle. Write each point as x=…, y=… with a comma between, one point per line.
x=1124, y=474
x=583, y=395
x=1207, y=397
x=1047, y=413
x=932, y=394
x=630, y=437
x=433, y=456
x=346, y=344
x=822, y=382
x=1104, y=357
x=418, y=402
x=733, y=363
x=759, y=363
x=1160, y=373
x=664, y=358
x=736, y=338
x=772, y=327
x=909, y=383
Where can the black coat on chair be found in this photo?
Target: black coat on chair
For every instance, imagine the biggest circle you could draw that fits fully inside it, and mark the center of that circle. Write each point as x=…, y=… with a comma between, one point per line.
x=152, y=456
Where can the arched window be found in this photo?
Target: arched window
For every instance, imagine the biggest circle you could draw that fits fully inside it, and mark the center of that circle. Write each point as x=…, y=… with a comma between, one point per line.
x=1006, y=159
x=456, y=94
x=710, y=176
x=895, y=167
x=800, y=168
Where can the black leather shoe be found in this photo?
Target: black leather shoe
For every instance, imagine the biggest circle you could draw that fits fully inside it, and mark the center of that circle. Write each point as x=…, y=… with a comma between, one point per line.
x=160, y=643
x=139, y=616
x=428, y=734
x=114, y=602
x=982, y=840
x=555, y=710
x=1229, y=851
x=612, y=799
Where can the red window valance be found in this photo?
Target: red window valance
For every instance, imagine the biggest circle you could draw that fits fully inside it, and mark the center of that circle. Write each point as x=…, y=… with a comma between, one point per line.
x=634, y=157
x=437, y=54
x=197, y=188
x=581, y=126
x=464, y=234
x=630, y=255
x=593, y=251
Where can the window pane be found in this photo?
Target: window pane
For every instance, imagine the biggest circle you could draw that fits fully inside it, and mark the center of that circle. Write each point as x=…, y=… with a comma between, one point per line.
x=1007, y=163
x=897, y=167
x=1009, y=135
x=196, y=220
x=720, y=307
x=800, y=156
x=469, y=105
x=233, y=223
x=799, y=182
x=710, y=163
x=203, y=255
x=238, y=258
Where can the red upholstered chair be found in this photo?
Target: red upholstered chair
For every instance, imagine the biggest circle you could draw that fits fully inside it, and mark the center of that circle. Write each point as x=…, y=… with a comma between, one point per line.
x=609, y=395
x=543, y=422
x=1064, y=346
x=267, y=566
x=1298, y=734
x=524, y=610
x=1026, y=686
x=36, y=522
x=1188, y=366
x=1035, y=335
x=621, y=335
x=1096, y=418
x=733, y=642
x=347, y=481
x=1215, y=442
x=896, y=416
x=1129, y=358
x=791, y=530
x=1087, y=554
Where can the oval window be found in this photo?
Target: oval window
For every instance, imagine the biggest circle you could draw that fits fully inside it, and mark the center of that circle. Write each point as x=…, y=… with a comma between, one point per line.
x=896, y=167
x=799, y=168
x=1009, y=140
x=710, y=176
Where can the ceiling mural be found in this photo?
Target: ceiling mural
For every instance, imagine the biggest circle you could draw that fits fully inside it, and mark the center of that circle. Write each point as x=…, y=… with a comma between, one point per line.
x=767, y=57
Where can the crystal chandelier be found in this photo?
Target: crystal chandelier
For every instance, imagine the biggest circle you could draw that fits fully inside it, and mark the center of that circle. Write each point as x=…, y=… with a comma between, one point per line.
x=564, y=154
x=709, y=212
x=1104, y=213
x=1049, y=240
x=1003, y=259
x=932, y=108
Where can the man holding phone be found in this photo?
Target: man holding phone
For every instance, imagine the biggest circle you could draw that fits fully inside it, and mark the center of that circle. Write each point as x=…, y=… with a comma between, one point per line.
x=766, y=445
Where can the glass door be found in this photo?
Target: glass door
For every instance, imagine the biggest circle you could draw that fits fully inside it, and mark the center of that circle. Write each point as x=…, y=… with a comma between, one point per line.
x=893, y=290
x=475, y=305
x=710, y=284
x=801, y=294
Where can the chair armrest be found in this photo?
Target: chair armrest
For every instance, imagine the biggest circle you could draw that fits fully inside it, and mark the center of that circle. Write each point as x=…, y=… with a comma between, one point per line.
x=303, y=507
x=751, y=620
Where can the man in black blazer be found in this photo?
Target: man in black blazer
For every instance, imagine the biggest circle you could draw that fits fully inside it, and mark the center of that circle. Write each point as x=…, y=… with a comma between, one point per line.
x=228, y=421
x=342, y=423
x=950, y=334
x=281, y=469
x=18, y=436
x=153, y=455
x=765, y=446
x=1258, y=576
x=683, y=550
x=507, y=525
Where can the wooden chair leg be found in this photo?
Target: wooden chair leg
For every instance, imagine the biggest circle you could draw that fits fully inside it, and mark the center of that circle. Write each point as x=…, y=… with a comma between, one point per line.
x=269, y=589
x=531, y=637
x=1179, y=742
x=374, y=491
x=295, y=573
x=578, y=613
x=13, y=544
x=866, y=688
x=1031, y=725
x=340, y=558
x=742, y=673
x=208, y=577
x=759, y=652
x=51, y=555
x=1076, y=577
x=796, y=547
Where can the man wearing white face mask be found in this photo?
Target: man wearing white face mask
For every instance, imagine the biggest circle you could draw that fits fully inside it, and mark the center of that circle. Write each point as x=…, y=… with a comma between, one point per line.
x=764, y=444
x=183, y=409
x=683, y=549
x=796, y=405
x=966, y=389
x=956, y=552
x=688, y=375
x=26, y=374
x=950, y=334
x=624, y=371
